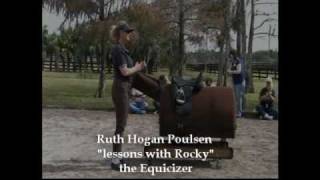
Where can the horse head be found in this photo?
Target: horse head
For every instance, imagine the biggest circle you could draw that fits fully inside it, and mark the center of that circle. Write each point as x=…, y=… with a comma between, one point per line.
x=149, y=85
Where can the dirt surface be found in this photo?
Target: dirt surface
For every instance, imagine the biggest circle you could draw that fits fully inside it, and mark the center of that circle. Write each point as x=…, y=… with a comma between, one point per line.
x=70, y=148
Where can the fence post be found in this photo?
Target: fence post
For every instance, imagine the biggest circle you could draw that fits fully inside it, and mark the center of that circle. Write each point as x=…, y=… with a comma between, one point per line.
x=74, y=63
x=50, y=63
x=68, y=62
x=91, y=63
x=63, y=63
x=80, y=64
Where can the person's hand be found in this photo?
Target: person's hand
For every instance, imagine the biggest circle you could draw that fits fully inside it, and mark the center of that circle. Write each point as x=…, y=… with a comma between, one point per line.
x=143, y=64
x=269, y=94
x=139, y=65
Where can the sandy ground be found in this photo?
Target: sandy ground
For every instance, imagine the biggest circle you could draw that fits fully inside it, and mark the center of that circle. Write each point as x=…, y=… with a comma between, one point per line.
x=70, y=148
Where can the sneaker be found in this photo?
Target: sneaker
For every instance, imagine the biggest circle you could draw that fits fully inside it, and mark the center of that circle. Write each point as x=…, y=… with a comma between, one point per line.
x=268, y=117
x=115, y=167
x=115, y=163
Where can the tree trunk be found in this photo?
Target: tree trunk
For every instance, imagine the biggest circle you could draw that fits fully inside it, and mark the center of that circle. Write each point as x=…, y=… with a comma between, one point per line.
x=75, y=61
x=181, y=39
x=109, y=62
x=243, y=29
x=102, y=73
x=50, y=63
x=91, y=61
x=85, y=62
x=250, y=86
x=68, y=61
x=56, y=64
x=101, y=86
x=269, y=38
x=238, y=42
x=227, y=26
x=80, y=62
x=244, y=44
x=172, y=54
x=238, y=28
x=63, y=61
x=221, y=63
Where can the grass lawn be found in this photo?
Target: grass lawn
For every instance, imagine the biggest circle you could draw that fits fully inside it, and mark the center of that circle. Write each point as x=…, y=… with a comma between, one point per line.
x=77, y=91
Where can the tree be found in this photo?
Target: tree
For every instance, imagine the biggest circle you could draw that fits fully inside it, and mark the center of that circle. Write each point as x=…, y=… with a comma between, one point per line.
x=179, y=14
x=216, y=17
x=226, y=34
x=251, y=34
x=242, y=28
x=253, y=28
x=45, y=34
x=99, y=14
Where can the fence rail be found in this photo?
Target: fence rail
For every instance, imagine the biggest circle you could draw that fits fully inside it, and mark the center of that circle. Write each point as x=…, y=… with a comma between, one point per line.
x=259, y=69
x=75, y=66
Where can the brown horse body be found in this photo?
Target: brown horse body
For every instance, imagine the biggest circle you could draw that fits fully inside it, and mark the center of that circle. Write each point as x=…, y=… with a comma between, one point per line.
x=212, y=115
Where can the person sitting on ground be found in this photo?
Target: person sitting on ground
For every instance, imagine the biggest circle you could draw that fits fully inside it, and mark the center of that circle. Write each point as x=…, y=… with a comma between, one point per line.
x=137, y=105
x=209, y=83
x=267, y=97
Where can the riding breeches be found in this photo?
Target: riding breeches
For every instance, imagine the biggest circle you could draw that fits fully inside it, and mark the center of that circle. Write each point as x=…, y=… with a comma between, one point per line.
x=120, y=98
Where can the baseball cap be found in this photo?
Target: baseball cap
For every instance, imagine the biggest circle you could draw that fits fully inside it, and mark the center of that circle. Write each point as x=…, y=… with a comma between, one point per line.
x=124, y=27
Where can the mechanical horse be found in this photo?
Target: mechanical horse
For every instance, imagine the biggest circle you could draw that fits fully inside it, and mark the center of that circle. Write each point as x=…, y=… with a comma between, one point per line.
x=212, y=115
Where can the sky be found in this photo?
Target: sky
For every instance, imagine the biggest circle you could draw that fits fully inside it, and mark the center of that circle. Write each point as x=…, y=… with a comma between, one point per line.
x=53, y=21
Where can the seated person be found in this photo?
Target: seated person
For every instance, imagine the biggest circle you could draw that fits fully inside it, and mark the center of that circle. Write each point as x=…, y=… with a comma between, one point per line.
x=209, y=83
x=267, y=98
x=156, y=105
x=137, y=102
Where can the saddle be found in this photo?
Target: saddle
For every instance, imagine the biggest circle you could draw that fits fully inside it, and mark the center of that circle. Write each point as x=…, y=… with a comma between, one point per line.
x=182, y=91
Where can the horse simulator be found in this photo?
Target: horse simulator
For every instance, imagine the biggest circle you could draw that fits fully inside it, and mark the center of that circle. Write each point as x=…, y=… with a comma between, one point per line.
x=187, y=109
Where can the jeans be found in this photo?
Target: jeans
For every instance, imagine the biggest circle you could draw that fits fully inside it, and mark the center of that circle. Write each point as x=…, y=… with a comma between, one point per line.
x=270, y=110
x=137, y=107
x=239, y=92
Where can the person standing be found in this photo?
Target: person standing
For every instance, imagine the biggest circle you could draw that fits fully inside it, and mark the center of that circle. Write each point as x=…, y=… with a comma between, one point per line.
x=123, y=71
x=236, y=70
